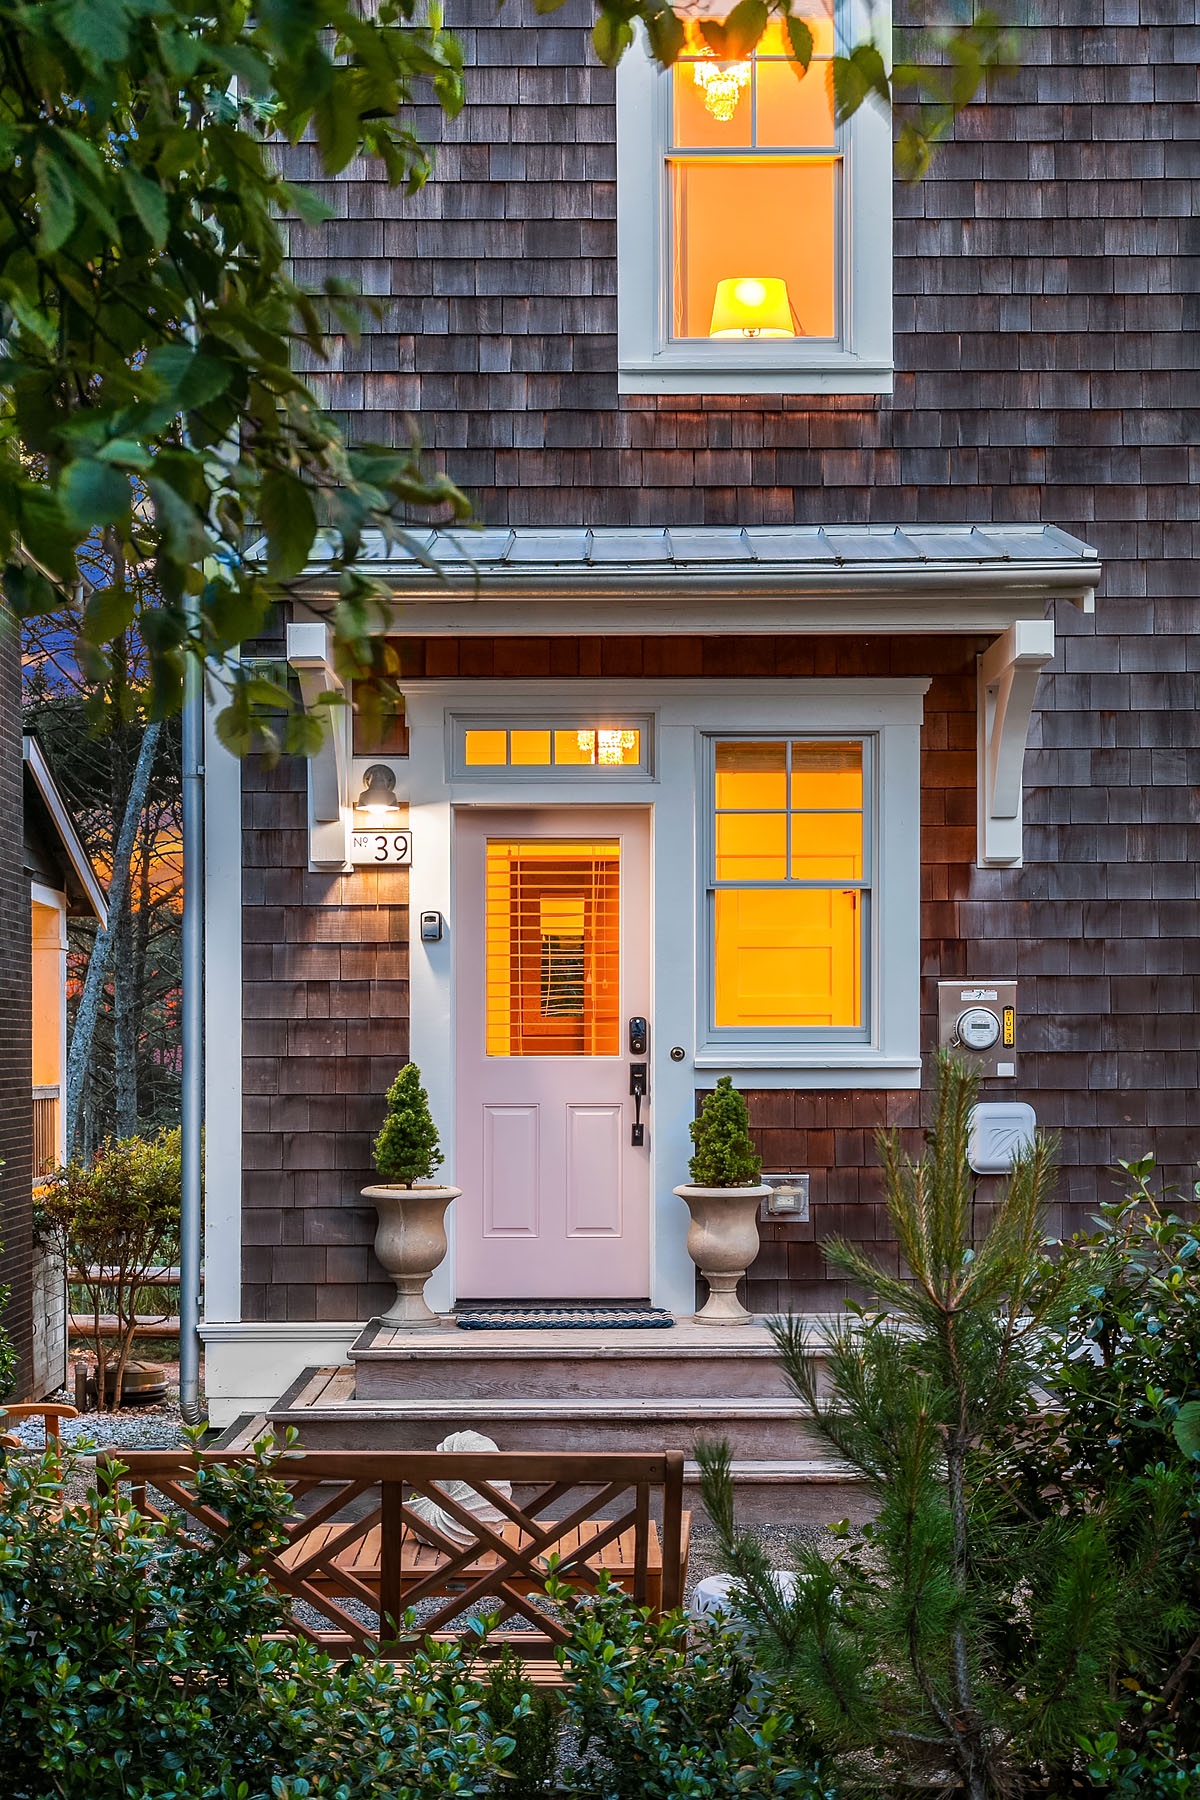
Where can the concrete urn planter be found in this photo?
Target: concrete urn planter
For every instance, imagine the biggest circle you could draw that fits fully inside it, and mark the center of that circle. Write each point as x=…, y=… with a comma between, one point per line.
x=410, y=1242
x=722, y=1241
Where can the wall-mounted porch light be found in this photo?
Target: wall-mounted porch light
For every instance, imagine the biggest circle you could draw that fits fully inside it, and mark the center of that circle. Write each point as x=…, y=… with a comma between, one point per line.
x=752, y=306
x=379, y=791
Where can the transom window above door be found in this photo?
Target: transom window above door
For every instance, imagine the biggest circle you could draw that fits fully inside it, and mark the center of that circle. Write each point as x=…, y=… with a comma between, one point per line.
x=789, y=888
x=603, y=747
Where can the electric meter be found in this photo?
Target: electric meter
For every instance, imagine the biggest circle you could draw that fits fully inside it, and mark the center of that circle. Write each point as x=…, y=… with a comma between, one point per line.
x=978, y=1028
x=977, y=1021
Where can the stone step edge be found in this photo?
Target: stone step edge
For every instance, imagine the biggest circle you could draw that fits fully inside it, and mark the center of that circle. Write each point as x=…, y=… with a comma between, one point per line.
x=778, y=1473
x=618, y=1408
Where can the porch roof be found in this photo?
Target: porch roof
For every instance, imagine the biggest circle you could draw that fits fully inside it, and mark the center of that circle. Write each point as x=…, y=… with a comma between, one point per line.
x=755, y=577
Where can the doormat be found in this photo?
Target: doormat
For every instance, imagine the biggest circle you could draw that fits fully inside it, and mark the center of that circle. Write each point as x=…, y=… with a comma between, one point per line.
x=551, y=1318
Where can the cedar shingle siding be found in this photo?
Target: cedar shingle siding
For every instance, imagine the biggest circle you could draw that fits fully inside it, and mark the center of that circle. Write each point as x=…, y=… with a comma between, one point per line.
x=1045, y=278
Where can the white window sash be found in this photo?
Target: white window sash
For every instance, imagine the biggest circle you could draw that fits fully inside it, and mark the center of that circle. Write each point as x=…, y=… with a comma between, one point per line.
x=649, y=360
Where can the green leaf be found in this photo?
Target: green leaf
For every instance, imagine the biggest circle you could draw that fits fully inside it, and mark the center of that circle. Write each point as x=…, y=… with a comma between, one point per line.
x=96, y=28
x=181, y=530
x=150, y=204
x=93, y=493
x=55, y=200
x=189, y=377
x=743, y=28
x=304, y=203
x=109, y=612
x=47, y=533
x=801, y=39
x=667, y=36
x=290, y=522
x=856, y=77
x=1187, y=1428
x=611, y=37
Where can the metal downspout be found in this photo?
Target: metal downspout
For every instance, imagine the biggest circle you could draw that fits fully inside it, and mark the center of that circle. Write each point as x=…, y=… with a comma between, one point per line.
x=193, y=1044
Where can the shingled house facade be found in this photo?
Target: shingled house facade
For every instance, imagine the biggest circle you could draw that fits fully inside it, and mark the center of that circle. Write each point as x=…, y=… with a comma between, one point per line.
x=772, y=694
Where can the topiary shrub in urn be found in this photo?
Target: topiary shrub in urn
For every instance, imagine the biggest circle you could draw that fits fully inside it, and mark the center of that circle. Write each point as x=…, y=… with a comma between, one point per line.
x=723, y=1197
x=410, y=1240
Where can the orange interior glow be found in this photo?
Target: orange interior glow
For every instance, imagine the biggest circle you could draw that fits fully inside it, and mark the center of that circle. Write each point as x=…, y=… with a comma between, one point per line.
x=761, y=218
x=552, y=947
x=788, y=956
x=788, y=812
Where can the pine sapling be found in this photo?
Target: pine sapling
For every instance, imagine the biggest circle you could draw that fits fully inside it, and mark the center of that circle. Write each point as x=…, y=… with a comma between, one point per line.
x=725, y=1155
x=408, y=1148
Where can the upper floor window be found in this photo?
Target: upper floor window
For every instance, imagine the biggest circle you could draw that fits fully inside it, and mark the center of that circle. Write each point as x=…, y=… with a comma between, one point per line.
x=754, y=233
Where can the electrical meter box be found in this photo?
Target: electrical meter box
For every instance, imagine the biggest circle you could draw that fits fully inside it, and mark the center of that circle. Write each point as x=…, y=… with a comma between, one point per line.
x=977, y=1020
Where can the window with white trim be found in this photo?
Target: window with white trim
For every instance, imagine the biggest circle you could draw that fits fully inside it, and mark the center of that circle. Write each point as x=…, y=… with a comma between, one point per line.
x=753, y=233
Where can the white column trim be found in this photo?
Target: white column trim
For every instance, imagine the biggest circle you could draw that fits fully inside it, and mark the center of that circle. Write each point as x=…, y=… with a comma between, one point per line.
x=222, y=1025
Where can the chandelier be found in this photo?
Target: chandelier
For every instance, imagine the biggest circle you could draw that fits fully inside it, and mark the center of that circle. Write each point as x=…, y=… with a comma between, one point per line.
x=609, y=747
x=723, y=84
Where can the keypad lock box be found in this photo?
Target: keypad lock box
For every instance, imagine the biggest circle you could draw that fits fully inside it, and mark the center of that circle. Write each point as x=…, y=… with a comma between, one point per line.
x=977, y=1021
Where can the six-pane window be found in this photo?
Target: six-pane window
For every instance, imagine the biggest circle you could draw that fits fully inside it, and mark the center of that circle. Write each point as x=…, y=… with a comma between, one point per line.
x=789, y=884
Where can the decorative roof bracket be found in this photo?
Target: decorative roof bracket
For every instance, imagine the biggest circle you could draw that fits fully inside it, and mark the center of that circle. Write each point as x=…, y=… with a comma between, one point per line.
x=310, y=653
x=1008, y=678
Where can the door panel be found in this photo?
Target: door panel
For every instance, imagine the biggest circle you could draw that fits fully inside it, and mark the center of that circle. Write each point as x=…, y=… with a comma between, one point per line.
x=552, y=957
x=510, y=1171
x=594, y=1170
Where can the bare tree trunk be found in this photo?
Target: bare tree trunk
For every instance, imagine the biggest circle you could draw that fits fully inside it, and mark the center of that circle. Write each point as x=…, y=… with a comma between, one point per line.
x=118, y=908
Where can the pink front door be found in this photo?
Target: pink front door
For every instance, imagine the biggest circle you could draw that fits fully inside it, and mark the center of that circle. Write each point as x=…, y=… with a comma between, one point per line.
x=552, y=932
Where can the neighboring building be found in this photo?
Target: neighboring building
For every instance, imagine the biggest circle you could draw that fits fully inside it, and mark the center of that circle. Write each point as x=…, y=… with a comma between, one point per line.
x=48, y=878
x=789, y=499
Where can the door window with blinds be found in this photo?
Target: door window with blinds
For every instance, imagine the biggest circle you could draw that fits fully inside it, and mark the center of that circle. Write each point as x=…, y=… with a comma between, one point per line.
x=552, y=915
x=789, y=888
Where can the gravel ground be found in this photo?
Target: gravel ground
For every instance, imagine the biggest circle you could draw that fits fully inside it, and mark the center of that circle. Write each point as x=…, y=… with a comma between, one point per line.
x=130, y=1428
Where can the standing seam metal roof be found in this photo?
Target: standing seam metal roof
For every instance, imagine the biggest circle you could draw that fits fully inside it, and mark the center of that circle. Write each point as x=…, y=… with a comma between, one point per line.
x=689, y=546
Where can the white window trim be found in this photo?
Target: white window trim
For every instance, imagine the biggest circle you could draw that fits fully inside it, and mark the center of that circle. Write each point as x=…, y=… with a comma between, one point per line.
x=649, y=362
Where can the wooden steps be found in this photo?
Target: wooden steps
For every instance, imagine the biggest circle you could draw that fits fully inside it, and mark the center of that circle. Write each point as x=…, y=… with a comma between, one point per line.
x=605, y=1391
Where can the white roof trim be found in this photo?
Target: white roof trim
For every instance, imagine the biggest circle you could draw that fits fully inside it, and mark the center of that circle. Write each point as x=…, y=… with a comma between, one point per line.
x=77, y=856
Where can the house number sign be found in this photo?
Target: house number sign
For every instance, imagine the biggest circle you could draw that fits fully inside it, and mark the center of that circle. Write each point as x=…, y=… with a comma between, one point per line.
x=380, y=847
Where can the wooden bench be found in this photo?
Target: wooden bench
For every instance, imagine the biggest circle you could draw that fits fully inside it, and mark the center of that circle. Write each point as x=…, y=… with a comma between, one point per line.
x=350, y=1538
x=47, y=1410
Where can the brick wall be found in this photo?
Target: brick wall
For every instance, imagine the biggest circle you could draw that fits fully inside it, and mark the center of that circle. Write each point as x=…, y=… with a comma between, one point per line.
x=16, y=1072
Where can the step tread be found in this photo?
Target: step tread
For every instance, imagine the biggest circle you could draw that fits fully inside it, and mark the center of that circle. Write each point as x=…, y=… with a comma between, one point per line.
x=616, y=1406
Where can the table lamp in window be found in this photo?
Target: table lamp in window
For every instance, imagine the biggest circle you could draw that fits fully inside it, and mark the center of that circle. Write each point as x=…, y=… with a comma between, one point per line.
x=753, y=306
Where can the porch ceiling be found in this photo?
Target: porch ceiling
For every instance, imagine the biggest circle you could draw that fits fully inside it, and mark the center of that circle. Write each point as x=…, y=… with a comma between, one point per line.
x=749, y=578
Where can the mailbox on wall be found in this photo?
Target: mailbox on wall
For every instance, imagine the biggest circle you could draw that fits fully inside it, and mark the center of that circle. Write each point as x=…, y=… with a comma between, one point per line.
x=977, y=1020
